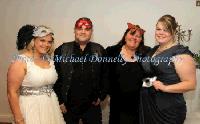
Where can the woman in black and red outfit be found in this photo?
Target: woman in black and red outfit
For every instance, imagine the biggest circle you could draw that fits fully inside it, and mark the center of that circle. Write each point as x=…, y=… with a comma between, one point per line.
x=126, y=76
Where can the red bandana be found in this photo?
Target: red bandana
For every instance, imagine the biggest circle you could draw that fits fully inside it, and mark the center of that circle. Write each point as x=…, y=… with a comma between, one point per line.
x=86, y=23
x=134, y=28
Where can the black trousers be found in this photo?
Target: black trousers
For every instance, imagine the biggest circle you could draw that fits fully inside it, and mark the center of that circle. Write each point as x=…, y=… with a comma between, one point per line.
x=124, y=118
x=92, y=116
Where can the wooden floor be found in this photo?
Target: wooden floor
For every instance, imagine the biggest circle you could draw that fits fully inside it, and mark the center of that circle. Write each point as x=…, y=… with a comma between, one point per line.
x=4, y=123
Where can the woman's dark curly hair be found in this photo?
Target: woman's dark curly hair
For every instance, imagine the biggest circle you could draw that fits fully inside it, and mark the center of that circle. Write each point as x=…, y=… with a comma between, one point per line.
x=142, y=49
x=122, y=41
x=24, y=37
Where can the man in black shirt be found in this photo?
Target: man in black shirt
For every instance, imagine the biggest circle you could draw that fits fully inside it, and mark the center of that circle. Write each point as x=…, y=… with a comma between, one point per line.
x=82, y=81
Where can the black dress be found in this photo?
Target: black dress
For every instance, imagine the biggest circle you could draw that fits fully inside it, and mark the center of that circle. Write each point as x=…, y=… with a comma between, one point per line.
x=125, y=84
x=157, y=107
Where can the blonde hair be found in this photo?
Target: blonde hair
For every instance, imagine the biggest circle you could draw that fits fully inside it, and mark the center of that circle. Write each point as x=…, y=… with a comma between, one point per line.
x=51, y=50
x=41, y=31
x=170, y=23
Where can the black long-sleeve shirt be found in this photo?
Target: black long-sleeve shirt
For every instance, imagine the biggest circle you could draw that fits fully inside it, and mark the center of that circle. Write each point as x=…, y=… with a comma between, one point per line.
x=82, y=82
x=88, y=79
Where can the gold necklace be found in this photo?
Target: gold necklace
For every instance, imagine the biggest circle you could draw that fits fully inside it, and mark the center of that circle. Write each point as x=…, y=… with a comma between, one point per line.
x=159, y=50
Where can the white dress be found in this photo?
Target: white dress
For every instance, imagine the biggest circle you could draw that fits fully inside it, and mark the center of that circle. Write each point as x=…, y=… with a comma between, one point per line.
x=42, y=108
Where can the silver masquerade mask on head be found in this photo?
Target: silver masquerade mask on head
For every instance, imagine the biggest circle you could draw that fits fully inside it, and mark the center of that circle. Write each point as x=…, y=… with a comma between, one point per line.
x=41, y=31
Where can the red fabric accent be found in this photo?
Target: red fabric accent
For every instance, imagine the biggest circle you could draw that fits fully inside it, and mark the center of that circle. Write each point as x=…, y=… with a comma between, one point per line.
x=135, y=27
x=86, y=23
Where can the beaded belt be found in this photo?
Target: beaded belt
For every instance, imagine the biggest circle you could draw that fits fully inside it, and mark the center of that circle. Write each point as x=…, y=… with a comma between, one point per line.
x=44, y=90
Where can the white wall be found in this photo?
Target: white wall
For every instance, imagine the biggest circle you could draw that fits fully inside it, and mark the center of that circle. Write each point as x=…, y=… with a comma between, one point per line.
x=109, y=18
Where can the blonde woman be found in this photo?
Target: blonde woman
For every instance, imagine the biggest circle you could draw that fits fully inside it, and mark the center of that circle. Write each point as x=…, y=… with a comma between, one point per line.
x=30, y=79
x=174, y=67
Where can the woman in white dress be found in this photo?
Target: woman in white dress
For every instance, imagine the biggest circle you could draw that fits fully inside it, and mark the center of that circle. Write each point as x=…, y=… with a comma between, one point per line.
x=30, y=79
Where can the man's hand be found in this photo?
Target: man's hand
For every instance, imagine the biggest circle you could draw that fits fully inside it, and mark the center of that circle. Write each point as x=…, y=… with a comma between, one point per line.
x=96, y=103
x=105, y=102
x=63, y=108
